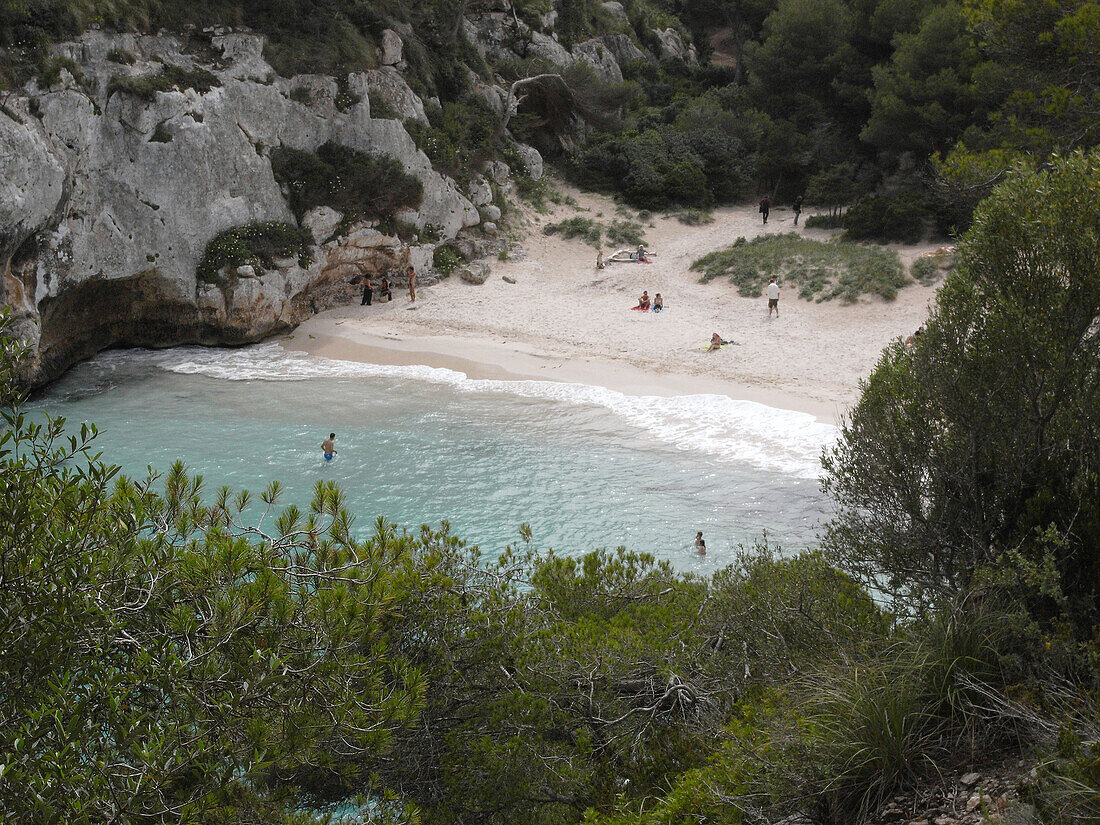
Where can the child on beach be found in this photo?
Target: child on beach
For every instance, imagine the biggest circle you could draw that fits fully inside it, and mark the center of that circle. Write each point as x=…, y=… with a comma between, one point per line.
x=658, y=302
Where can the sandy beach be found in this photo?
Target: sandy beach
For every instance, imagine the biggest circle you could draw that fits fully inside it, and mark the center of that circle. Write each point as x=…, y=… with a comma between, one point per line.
x=565, y=320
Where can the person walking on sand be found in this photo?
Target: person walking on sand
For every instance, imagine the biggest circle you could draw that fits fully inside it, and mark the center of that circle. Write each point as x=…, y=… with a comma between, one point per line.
x=765, y=208
x=797, y=208
x=368, y=291
x=700, y=545
x=773, y=297
x=412, y=284
x=328, y=446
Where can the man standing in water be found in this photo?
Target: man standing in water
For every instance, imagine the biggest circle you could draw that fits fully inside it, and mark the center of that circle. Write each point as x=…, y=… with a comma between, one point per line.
x=773, y=297
x=328, y=446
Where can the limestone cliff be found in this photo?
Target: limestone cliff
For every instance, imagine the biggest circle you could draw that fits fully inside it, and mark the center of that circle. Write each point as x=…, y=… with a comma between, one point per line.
x=108, y=197
x=114, y=179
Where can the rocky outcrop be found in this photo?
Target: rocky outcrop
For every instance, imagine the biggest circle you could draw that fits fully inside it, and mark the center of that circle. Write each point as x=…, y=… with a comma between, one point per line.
x=111, y=190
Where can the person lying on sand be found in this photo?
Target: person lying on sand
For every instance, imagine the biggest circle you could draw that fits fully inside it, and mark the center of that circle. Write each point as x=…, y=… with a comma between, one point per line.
x=716, y=342
x=658, y=302
x=643, y=302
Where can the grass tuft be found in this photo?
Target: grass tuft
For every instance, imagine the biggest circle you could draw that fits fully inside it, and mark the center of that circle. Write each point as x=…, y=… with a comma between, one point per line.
x=257, y=244
x=822, y=270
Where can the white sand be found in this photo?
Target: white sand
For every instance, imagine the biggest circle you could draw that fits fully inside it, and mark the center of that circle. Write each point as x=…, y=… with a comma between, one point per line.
x=565, y=320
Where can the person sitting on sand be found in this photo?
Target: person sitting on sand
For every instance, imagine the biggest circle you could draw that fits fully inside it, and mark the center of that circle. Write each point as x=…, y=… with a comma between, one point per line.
x=643, y=302
x=912, y=339
x=658, y=302
x=716, y=342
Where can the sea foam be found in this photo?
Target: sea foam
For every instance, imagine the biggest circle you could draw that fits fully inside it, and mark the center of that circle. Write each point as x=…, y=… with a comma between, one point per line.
x=764, y=437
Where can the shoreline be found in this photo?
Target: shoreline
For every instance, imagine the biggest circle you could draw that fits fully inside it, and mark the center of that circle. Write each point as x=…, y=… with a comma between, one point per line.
x=559, y=318
x=485, y=359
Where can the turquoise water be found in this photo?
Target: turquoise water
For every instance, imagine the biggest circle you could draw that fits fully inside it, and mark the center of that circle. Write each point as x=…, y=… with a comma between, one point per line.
x=585, y=467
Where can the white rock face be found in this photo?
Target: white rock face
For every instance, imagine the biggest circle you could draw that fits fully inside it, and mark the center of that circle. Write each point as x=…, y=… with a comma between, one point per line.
x=532, y=160
x=596, y=54
x=673, y=48
x=388, y=84
x=121, y=196
x=616, y=10
x=391, y=48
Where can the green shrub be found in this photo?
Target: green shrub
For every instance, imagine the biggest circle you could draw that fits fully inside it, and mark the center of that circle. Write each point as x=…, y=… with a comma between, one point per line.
x=587, y=229
x=821, y=270
x=302, y=94
x=824, y=222
x=380, y=107
x=257, y=244
x=353, y=183
x=901, y=218
x=121, y=56
x=627, y=233
x=146, y=87
x=345, y=97
x=459, y=138
x=445, y=260
x=50, y=74
x=694, y=217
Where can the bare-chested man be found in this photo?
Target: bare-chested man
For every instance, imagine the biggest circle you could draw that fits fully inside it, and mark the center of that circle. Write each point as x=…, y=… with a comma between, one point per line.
x=328, y=446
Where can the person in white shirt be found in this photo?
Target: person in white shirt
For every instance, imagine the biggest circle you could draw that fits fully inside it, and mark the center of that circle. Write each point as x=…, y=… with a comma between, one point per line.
x=773, y=297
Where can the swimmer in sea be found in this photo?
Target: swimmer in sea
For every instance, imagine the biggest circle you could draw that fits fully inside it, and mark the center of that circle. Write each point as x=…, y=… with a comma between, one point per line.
x=328, y=446
x=700, y=545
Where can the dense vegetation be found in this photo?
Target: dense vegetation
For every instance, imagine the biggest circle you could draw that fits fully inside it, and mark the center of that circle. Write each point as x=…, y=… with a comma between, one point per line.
x=820, y=271
x=258, y=245
x=176, y=654
x=911, y=109
x=354, y=183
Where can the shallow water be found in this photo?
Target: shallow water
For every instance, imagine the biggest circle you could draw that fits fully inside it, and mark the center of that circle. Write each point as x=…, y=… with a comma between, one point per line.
x=586, y=467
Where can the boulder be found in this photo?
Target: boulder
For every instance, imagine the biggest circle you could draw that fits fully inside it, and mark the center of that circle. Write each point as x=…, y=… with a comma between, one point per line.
x=546, y=48
x=388, y=84
x=615, y=10
x=490, y=212
x=532, y=160
x=475, y=272
x=480, y=192
x=673, y=48
x=489, y=228
x=624, y=49
x=599, y=57
x=391, y=48
x=321, y=221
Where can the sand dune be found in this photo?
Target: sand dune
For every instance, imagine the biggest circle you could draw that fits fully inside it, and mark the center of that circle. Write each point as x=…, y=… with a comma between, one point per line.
x=565, y=320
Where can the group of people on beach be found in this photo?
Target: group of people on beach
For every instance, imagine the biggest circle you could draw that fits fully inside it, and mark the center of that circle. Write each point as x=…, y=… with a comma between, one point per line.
x=646, y=305
x=386, y=291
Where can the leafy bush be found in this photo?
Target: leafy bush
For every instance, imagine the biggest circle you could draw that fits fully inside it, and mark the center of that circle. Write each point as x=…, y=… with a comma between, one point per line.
x=824, y=221
x=901, y=218
x=587, y=229
x=121, y=56
x=694, y=217
x=990, y=425
x=445, y=260
x=626, y=233
x=380, y=107
x=354, y=183
x=822, y=270
x=257, y=244
x=459, y=138
x=146, y=87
